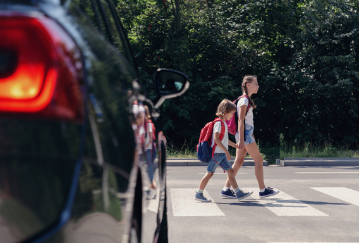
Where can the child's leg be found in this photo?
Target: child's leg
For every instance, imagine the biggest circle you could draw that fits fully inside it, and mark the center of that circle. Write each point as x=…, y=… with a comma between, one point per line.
x=205, y=180
x=199, y=194
x=253, y=151
x=238, y=162
x=231, y=178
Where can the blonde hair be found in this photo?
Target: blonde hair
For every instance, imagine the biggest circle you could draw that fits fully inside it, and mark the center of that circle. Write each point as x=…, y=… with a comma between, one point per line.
x=248, y=79
x=225, y=107
x=147, y=112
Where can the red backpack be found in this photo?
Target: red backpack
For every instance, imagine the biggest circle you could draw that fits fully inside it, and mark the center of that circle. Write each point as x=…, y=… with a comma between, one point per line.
x=153, y=129
x=154, y=148
x=233, y=122
x=204, y=150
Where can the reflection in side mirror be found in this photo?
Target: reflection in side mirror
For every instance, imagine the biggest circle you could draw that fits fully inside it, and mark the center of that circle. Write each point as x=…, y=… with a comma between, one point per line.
x=169, y=84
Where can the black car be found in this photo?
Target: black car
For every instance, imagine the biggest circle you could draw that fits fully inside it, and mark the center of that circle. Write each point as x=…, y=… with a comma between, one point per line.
x=72, y=161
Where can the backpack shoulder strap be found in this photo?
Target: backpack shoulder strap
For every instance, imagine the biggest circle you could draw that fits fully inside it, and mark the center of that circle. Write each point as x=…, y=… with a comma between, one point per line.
x=221, y=135
x=223, y=128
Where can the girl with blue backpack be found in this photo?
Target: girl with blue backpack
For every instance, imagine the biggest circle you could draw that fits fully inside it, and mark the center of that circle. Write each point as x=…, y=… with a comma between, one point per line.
x=242, y=127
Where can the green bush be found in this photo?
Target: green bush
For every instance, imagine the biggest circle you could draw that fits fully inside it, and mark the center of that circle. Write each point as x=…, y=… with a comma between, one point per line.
x=304, y=52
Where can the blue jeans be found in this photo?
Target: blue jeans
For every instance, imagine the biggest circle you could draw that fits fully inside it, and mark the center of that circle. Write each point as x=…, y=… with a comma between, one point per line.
x=221, y=160
x=149, y=164
x=248, y=133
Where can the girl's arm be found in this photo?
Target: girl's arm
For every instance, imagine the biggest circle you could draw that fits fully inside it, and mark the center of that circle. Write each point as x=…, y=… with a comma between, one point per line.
x=150, y=141
x=232, y=144
x=242, y=115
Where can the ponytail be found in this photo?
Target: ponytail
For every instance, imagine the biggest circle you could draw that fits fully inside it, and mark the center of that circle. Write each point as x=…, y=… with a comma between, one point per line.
x=248, y=79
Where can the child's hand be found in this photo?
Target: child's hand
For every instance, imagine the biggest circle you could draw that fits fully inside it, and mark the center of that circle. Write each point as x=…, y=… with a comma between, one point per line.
x=228, y=155
x=241, y=144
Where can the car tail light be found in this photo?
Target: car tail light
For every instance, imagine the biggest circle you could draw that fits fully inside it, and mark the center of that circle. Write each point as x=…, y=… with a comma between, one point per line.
x=40, y=69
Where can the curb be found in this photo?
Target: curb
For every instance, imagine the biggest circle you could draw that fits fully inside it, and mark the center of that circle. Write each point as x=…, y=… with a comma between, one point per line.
x=318, y=162
x=196, y=162
x=195, y=159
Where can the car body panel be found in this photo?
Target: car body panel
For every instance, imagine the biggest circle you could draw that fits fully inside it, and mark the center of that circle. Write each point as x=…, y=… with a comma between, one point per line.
x=78, y=182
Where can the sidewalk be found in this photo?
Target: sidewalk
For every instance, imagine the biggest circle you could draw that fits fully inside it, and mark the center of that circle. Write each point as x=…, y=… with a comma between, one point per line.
x=196, y=162
x=285, y=162
x=319, y=162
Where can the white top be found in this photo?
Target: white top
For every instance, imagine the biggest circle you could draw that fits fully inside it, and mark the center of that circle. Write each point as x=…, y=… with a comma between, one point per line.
x=148, y=138
x=249, y=117
x=141, y=132
x=217, y=128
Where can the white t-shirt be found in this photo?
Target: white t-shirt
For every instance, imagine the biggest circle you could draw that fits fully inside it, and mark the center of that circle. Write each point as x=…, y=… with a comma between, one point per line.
x=249, y=117
x=217, y=128
x=141, y=132
x=148, y=138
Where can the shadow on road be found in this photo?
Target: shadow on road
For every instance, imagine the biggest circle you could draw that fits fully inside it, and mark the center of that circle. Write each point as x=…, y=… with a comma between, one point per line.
x=279, y=203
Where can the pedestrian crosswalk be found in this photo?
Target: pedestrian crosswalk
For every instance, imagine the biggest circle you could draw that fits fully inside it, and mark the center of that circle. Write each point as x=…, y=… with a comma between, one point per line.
x=183, y=204
x=342, y=193
x=283, y=204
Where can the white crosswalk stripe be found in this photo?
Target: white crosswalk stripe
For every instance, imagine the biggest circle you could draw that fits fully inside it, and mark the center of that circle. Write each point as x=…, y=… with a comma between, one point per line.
x=183, y=203
x=342, y=193
x=286, y=205
x=327, y=172
x=239, y=173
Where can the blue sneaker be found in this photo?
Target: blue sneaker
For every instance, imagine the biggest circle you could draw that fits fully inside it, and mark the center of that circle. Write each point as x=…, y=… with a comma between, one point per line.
x=241, y=194
x=268, y=192
x=199, y=197
x=228, y=194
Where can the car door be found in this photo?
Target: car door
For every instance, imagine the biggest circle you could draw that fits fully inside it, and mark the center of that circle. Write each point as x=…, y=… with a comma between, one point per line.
x=152, y=206
x=113, y=76
x=103, y=204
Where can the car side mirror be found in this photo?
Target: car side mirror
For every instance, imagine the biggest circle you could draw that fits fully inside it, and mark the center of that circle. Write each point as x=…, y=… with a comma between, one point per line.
x=169, y=84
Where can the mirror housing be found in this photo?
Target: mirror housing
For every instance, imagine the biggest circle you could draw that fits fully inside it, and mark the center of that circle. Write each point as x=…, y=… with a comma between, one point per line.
x=169, y=84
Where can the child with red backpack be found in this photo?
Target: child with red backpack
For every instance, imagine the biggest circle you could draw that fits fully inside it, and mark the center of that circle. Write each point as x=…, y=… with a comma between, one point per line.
x=242, y=126
x=216, y=133
x=149, y=146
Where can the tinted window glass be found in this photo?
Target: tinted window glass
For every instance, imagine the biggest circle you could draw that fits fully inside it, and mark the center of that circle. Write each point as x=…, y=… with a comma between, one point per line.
x=91, y=10
x=118, y=36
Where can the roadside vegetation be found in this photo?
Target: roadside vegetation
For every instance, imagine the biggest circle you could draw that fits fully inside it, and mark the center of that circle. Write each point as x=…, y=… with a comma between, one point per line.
x=305, y=150
x=304, y=52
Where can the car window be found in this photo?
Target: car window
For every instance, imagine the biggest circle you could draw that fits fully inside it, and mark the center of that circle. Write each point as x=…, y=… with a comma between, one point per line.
x=91, y=10
x=116, y=31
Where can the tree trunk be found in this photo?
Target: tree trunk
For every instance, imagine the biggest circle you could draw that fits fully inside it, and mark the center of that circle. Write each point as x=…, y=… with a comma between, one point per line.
x=178, y=16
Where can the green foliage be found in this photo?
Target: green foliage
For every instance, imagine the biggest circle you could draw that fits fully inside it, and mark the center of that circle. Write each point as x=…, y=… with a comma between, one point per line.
x=308, y=150
x=304, y=53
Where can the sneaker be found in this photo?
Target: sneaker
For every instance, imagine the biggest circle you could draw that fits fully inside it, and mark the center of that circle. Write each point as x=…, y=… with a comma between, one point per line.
x=199, y=197
x=241, y=195
x=228, y=194
x=268, y=192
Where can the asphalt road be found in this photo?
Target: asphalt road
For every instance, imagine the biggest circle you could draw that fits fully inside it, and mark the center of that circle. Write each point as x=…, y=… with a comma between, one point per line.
x=316, y=204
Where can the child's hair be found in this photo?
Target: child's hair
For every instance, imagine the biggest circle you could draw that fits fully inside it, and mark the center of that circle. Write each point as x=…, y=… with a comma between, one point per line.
x=248, y=79
x=225, y=107
x=147, y=112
